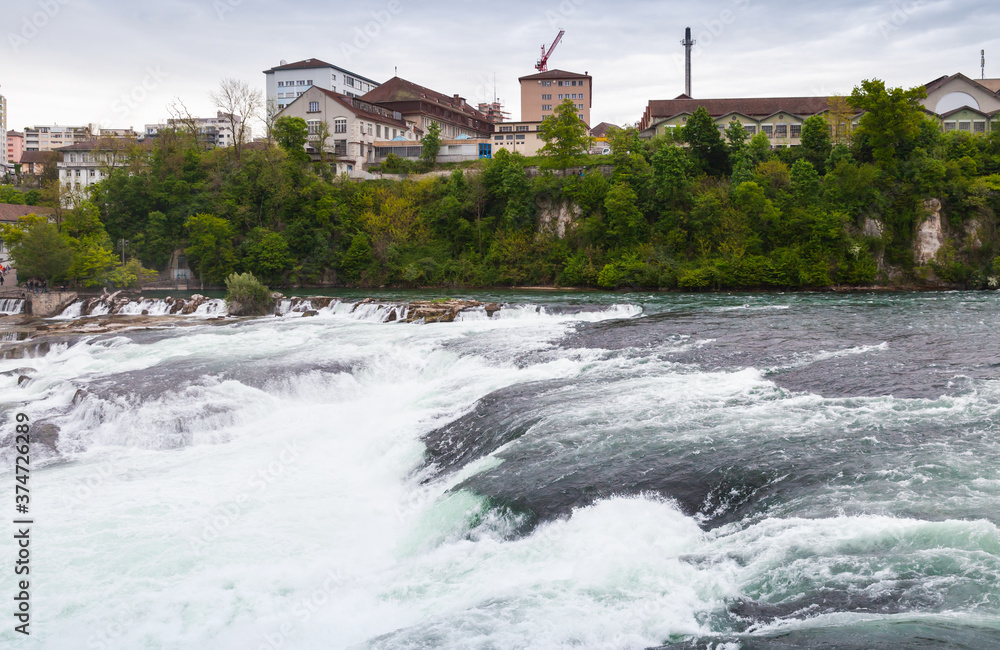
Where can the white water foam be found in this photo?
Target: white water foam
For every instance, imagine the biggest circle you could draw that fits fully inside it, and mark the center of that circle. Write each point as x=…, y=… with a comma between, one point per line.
x=11, y=306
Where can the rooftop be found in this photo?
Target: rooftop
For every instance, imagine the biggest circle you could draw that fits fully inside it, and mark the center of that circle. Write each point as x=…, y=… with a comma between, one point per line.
x=359, y=106
x=401, y=90
x=10, y=212
x=556, y=74
x=312, y=64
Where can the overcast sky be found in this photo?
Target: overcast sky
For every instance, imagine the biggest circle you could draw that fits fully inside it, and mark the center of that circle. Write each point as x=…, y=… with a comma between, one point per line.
x=120, y=63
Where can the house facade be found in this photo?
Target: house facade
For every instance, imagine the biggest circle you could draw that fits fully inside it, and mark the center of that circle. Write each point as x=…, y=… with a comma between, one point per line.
x=88, y=163
x=779, y=118
x=541, y=93
x=353, y=126
x=287, y=82
x=422, y=106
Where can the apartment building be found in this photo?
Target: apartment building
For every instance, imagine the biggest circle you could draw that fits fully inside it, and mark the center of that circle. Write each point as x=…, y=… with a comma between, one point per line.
x=288, y=81
x=3, y=114
x=542, y=92
x=50, y=138
x=15, y=147
x=212, y=131
x=422, y=106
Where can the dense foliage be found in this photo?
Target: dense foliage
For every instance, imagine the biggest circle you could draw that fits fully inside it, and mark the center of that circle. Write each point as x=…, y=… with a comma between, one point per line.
x=246, y=296
x=695, y=210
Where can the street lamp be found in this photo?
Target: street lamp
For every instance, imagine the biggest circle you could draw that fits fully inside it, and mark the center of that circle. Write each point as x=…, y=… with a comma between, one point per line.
x=124, y=242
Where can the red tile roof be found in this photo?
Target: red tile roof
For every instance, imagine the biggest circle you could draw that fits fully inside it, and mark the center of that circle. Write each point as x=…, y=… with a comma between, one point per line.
x=362, y=108
x=401, y=90
x=752, y=107
x=9, y=212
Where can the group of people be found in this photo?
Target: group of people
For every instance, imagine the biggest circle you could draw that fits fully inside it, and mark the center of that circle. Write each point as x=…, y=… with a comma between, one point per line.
x=3, y=273
x=37, y=286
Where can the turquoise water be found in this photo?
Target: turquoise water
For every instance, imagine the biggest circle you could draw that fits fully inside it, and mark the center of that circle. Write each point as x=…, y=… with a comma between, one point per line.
x=590, y=470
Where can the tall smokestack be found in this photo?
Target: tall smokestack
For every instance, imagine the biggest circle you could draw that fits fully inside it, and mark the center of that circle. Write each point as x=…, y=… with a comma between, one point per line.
x=982, y=62
x=688, y=44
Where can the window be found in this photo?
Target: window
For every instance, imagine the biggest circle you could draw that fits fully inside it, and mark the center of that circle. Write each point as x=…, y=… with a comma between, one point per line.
x=498, y=138
x=309, y=82
x=546, y=107
x=549, y=96
x=519, y=137
x=580, y=115
x=560, y=96
x=314, y=107
x=281, y=84
x=580, y=106
x=369, y=129
x=581, y=96
x=965, y=126
x=796, y=130
x=298, y=94
x=768, y=130
x=313, y=127
x=979, y=127
x=378, y=130
x=506, y=129
x=751, y=129
x=560, y=83
x=92, y=173
x=949, y=126
x=301, y=82
x=781, y=131
x=521, y=127
x=349, y=81
x=546, y=83
x=510, y=137
x=573, y=82
x=394, y=133
x=340, y=125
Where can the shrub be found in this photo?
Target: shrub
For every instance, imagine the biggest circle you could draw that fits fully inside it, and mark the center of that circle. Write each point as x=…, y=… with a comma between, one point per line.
x=246, y=296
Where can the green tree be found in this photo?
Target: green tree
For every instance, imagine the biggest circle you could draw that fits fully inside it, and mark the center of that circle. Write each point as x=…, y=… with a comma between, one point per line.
x=265, y=254
x=357, y=259
x=626, y=225
x=737, y=138
x=565, y=135
x=707, y=148
x=210, y=250
x=816, y=142
x=291, y=134
x=891, y=120
x=41, y=252
x=431, y=144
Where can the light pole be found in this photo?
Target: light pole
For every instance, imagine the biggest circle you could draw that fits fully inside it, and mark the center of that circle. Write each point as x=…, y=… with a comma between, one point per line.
x=124, y=241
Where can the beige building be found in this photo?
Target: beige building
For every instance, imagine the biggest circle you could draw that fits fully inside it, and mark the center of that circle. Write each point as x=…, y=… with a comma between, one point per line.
x=3, y=114
x=521, y=137
x=542, y=92
x=50, y=138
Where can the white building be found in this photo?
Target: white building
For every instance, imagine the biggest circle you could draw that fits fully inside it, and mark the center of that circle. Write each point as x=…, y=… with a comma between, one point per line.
x=88, y=163
x=353, y=126
x=213, y=131
x=288, y=81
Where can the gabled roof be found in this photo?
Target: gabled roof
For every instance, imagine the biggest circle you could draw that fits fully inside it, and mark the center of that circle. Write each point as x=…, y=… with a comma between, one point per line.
x=401, y=90
x=990, y=85
x=309, y=64
x=556, y=74
x=10, y=213
x=38, y=157
x=601, y=130
x=753, y=107
x=964, y=108
x=360, y=108
x=16, y=134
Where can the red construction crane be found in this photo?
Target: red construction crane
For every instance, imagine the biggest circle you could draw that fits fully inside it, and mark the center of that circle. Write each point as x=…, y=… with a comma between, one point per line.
x=543, y=63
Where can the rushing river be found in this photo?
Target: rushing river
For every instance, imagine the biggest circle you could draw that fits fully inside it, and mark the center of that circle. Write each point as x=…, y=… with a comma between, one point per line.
x=580, y=470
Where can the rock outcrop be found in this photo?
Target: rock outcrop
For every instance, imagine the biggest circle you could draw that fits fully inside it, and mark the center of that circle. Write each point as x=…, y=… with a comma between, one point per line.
x=930, y=234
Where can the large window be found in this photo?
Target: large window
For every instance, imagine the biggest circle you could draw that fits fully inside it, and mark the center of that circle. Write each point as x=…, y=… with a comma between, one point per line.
x=549, y=96
x=521, y=127
x=781, y=131
x=340, y=125
x=768, y=130
x=313, y=127
x=314, y=107
x=796, y=130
